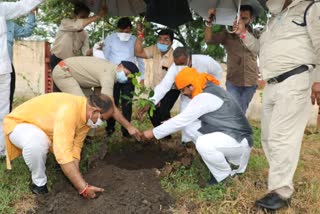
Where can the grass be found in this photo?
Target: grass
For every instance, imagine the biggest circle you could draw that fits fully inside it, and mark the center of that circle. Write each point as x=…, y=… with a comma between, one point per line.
x=236, y=195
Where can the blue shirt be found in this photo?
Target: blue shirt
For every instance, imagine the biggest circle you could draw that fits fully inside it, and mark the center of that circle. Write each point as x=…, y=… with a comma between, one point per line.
x=116, y=51
x=15, y=31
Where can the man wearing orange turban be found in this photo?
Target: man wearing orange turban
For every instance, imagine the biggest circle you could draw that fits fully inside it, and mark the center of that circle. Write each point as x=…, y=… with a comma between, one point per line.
x=183, y=57
x=215, y=123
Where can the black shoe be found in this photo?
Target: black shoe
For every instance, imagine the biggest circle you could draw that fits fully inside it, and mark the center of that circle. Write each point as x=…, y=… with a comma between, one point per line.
x=272, y=201
x=38, y=190
x=212, y=180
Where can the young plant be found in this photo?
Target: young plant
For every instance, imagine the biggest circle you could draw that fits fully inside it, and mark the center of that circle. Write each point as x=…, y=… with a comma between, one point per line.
x=141, y=94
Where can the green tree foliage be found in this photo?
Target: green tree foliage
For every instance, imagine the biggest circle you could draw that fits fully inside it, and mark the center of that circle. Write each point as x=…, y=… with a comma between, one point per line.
x=191, y=34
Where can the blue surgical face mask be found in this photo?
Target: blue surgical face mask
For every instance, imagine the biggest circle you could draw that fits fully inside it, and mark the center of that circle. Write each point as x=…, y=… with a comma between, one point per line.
x=121, y=77
x=162, y=47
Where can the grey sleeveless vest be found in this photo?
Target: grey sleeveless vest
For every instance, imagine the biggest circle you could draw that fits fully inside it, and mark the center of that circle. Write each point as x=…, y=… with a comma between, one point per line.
x=228, y=119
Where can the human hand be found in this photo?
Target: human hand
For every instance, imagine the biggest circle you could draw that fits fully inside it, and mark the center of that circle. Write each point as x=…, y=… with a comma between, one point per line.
x=261, y=83
x=140, y=29
x=92, y=192
x=133, y=131
x=211, y=14
x=239, y=28
x=148, y=134
x=315, y=93
x=142, y=111
x=142, y=83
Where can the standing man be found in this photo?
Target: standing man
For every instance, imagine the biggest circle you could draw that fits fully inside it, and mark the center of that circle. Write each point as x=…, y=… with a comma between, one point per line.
x=162, y=55
x=242, y=69
x=59, y=122
x=8, y=10
x=78, y=75
x=71, y=39
x=289, y=50
x=119, y=46
x=17, y=31
x=219, y=129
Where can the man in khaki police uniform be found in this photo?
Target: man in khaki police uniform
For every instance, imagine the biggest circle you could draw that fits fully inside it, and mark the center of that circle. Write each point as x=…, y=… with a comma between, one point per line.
x=78, y=75
x=71, y=39
x=289, y=50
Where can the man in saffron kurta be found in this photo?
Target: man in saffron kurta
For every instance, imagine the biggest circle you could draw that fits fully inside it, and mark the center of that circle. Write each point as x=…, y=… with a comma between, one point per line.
x=58, y=122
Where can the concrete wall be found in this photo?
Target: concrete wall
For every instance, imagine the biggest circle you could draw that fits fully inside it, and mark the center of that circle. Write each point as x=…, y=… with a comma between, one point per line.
x=29, y=61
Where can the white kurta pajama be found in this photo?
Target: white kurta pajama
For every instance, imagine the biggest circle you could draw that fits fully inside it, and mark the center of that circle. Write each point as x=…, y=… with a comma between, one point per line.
x=203, y=64
x=8, y=10
x=217, y=148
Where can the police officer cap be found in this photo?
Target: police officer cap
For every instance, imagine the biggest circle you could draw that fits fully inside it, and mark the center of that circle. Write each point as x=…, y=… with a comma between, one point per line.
x=130, y=66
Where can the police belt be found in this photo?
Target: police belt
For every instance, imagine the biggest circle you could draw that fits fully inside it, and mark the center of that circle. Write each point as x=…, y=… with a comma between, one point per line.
x=288, y=74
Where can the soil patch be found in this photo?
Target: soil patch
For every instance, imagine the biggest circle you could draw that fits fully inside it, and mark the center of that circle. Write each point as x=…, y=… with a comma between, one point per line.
x=130, y=182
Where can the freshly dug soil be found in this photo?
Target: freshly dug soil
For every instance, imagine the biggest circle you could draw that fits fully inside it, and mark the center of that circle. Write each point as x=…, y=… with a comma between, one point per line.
x=130, y=182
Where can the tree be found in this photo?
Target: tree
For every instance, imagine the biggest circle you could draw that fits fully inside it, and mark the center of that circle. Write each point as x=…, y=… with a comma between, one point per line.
x=190, y=34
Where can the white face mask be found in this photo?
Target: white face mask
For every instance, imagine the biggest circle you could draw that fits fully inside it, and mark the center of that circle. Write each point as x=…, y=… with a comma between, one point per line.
x=121, y=77
x=95, y=125
x=275, y=6
x=124, y=37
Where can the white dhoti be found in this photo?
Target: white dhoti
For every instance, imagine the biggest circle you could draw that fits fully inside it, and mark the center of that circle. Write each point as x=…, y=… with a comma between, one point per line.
x=34, y=144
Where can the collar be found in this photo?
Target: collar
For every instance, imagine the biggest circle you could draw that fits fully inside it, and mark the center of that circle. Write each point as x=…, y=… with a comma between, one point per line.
x=168, y=54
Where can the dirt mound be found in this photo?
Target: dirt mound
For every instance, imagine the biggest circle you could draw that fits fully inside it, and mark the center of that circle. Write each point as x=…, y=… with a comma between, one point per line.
x=129, y=180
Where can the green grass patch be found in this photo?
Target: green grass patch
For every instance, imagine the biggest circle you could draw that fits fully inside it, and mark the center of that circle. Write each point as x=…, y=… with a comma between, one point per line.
x=185, y=181
x=257, y=162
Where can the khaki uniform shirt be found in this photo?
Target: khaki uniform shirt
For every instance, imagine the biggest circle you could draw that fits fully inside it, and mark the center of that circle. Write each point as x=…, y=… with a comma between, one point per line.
x=61, y=116
x=284, y=45
x=160, y=64
x=71, y=40
x=242, y=69
x=93, y=72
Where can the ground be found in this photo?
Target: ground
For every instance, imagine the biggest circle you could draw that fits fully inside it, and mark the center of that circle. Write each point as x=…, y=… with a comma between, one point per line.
x=130, y=182
x=160, y=177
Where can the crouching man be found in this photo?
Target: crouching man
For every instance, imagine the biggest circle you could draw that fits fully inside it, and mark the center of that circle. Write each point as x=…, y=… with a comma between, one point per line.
x=214, y=122
x=58, y=122
x=78, y=75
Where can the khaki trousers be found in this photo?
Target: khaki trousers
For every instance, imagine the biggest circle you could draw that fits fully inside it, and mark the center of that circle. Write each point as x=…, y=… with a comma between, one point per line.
x=67, y=84
x=285, y=111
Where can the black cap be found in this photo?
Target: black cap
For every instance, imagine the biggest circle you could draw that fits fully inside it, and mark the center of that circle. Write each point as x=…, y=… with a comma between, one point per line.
x=130, y=66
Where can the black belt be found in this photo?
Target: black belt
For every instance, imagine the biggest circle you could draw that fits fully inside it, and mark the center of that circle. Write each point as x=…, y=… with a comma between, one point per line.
x=288, y=74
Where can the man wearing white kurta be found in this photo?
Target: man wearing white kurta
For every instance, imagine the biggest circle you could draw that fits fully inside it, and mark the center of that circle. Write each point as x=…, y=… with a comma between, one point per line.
x=218, y=128
x=8, y=10
x=182, y=57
